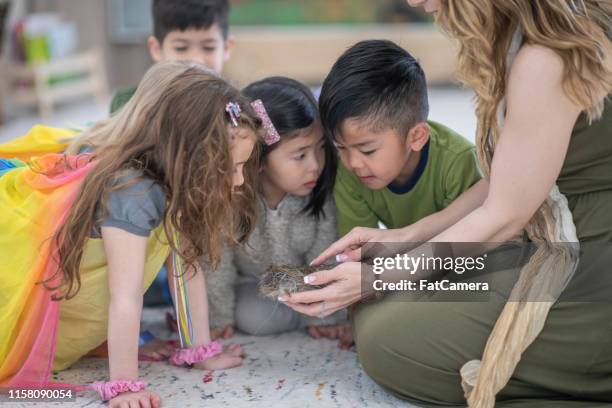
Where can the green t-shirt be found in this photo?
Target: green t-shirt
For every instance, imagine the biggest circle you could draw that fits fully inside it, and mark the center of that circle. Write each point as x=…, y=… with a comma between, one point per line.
x=121, y=98
x=447, y=168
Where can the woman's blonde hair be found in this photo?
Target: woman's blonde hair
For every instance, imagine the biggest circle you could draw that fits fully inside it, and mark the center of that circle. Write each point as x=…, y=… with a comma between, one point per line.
x=175, y=130
x=580, y=32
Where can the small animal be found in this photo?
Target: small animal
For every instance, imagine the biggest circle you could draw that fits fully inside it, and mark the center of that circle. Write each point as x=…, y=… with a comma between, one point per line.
x=285, y=279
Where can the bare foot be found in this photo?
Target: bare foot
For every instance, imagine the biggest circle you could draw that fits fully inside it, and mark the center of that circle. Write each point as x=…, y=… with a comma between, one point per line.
x=341, y=332
x=224, y=333
x=153, y=350
x=156, y=350
x=171, y=322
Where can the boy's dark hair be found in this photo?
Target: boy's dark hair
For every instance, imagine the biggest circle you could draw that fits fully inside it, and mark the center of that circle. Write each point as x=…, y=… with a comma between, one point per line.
x=377, y=82
x=292, y=107
x=171, y=15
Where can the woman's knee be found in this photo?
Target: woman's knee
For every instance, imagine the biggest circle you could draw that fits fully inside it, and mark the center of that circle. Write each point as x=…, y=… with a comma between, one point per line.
x=399, y=351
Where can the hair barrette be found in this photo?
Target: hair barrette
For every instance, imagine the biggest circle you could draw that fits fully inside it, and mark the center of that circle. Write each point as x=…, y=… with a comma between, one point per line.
x=271, y=134
x=234, y=111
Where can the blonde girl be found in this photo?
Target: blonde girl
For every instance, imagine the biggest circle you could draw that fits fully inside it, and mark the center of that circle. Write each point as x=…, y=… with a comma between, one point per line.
x=83, y=236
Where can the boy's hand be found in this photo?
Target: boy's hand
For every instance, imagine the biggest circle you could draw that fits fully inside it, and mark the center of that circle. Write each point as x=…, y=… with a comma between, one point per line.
x=141, y=399
x=224, y=333
x=232, y=356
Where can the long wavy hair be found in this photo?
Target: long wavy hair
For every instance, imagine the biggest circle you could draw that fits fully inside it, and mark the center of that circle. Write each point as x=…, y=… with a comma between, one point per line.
x=176, y=132
x=579, y=31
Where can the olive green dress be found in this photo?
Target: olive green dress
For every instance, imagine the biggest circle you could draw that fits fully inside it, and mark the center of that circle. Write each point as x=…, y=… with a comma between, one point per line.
x=415, y=349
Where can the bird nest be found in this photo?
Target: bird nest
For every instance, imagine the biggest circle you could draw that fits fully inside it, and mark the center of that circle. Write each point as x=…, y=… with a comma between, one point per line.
x=286, y=279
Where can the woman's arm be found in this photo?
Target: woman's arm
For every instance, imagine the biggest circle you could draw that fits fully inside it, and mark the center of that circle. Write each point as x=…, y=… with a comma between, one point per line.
x=530, y=152
x=430, y=226
x=125, y=254
x=348, y=248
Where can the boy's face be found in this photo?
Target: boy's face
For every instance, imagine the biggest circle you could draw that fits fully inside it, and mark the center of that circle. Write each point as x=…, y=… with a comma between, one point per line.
x=204, y=46
x=380, y=157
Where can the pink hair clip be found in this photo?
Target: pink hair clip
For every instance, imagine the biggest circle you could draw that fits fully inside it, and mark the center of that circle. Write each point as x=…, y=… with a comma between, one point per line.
x=271, y=134
x=234, y=111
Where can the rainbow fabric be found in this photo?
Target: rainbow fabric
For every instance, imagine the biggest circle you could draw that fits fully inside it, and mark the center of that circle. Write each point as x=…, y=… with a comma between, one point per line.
x=38, y=141
x=181, y=301
x=34, y=201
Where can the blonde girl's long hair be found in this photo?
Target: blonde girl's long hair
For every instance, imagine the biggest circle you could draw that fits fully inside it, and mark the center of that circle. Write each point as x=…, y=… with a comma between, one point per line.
x=580, y=32
x=176, y=131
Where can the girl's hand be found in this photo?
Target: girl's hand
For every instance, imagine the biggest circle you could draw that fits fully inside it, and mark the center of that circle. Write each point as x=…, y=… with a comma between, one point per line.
x=141, y=399
x=342, y=288
x=348, y=248
x=224, y=333
x=232, y=356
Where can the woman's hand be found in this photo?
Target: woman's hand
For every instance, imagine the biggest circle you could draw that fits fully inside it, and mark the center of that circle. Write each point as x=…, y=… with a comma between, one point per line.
x=342, y=288
x=231, y=356
x=141, y=399
x=348, y=248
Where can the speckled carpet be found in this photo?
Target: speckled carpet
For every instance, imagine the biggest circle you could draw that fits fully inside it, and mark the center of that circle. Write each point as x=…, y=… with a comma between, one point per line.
x=288, y=370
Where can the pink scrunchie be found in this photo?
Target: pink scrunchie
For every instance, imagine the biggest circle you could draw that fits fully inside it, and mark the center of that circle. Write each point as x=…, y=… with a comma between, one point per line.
x=195, y=354
x=110, y=389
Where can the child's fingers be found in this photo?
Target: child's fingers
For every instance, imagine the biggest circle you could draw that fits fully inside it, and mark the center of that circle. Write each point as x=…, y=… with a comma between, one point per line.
x=313, y=332
x=145, y=402
x=155, y=401
x=236, y=350
x=234, y=362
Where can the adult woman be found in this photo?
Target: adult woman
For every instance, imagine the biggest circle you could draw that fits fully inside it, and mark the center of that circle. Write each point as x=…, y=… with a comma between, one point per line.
x=541, y=72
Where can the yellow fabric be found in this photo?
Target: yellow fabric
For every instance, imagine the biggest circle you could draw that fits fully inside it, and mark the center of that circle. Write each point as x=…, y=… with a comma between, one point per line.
x=84, y=318
x=38, y=141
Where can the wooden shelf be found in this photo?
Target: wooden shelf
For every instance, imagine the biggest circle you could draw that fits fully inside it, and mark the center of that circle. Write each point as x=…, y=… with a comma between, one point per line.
x=42, y=84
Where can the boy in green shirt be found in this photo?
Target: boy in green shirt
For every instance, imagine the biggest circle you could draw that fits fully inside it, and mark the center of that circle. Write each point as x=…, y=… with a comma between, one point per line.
x=193, y=30
x=396, y=167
